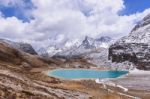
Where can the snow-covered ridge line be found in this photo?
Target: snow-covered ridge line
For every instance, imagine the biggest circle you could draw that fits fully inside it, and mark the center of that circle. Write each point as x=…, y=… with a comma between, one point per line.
x=75, y=47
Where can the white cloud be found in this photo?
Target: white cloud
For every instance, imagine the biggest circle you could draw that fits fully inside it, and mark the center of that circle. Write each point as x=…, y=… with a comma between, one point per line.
x=75, y=18
x=12, y=27
x=69, y=19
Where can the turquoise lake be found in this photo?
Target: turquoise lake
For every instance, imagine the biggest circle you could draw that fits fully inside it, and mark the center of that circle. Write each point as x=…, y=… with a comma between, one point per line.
x=85, y=74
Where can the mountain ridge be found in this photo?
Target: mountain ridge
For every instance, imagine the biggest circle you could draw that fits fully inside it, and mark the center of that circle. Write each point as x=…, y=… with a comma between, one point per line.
x=79, y=46
x=135, y=47
x=21, y=46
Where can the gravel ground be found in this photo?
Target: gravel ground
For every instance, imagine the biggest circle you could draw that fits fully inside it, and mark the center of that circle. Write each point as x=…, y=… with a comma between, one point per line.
x=138, y=80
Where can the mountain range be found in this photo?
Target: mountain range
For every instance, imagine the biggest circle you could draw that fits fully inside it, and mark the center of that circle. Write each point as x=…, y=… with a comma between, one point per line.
x=78, y=47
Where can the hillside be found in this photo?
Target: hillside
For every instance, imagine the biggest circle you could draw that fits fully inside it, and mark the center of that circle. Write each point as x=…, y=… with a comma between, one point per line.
x=135, y=47
x=25, y=47
x=23, y=76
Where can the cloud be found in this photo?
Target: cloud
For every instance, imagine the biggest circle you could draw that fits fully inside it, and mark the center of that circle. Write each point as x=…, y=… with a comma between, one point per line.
x=68, y=19
x=12, y=27
x=75, y=18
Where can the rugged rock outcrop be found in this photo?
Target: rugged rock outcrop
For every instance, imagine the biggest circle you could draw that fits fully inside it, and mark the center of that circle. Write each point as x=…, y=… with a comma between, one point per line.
x=91, y=43
x=27, y=48
x=135, y=47
x=138, y=53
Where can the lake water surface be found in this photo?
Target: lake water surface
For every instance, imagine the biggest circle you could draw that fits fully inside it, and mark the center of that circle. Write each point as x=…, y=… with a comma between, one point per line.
x=85, y=73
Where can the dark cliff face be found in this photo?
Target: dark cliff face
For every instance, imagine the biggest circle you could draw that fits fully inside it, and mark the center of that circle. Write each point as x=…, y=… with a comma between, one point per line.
x=134, y=48
x=27, y=48
x=88, y=43
x=137, y=53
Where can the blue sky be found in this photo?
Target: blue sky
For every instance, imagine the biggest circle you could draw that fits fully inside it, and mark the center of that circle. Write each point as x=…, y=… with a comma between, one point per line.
x=133, y=6
x=17, y=10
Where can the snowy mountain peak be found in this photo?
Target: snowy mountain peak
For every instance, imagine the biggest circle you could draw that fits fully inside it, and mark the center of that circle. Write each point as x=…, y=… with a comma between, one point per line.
x=144, y=22
x=88, y=43
x=75, y=46
x=140, y=33
x=147, y=18
x=103, y=41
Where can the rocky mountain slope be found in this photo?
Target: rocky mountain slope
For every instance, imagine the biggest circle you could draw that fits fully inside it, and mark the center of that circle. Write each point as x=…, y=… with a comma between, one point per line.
x=21, y=46
x=21, y=77
x=135, y=47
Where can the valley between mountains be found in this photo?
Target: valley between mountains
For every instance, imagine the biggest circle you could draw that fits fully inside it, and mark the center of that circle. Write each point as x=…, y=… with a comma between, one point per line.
x=23, y=69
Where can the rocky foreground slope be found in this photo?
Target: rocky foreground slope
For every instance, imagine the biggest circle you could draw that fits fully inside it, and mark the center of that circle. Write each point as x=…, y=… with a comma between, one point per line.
x=135, y=47
x=22, y=76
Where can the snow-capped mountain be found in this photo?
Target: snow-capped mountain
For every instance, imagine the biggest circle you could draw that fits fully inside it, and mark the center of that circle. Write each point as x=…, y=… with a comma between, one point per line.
x=140, y=33
x=103, y=41
x=88, y=43
x=75, y=47
x=135, y=47
x=57, y=47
